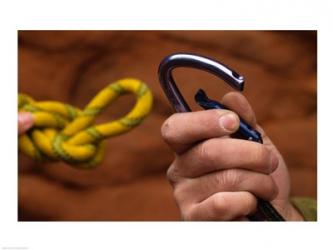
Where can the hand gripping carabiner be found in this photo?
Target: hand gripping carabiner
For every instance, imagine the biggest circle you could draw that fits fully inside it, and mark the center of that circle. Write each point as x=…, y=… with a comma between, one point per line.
x=265, y=211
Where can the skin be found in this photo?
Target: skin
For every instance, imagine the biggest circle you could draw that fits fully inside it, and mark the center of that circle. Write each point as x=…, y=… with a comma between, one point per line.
x=25, y=122
x=216, y=177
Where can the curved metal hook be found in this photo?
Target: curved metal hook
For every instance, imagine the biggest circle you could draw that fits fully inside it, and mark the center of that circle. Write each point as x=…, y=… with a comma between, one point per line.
x=193, y=61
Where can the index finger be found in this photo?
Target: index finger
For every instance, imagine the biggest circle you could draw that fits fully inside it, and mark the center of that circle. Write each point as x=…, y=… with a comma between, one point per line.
x=182, y=130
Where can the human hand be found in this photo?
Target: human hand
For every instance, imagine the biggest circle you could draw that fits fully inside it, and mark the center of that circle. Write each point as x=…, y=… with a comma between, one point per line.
x=216, y=177
x=25, y=122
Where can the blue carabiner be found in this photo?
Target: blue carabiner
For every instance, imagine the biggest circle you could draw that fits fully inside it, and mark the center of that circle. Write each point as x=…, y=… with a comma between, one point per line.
x=265, y=211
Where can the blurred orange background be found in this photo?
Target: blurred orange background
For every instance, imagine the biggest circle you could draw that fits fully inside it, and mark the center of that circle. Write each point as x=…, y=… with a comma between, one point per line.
x=72, y=66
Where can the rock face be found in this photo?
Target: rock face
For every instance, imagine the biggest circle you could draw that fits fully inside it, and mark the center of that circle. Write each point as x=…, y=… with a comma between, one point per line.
x=130, y=184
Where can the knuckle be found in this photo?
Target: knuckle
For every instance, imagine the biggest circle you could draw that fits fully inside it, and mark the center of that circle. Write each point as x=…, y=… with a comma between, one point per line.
x=205, y=155
x=269, y=190
x=231, y=178
x=260, y=154
x=182, y=200
x=219, y=204
x=171, y=174
x=272, y=188
x=251, y=205
x=178, y=194
x=188, y=214
x=167, y=129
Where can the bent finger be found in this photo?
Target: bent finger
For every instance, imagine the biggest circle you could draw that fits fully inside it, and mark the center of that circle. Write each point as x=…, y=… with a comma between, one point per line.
x=225, y=153
x=223, y=206
x=233, y=180
x=182, y=130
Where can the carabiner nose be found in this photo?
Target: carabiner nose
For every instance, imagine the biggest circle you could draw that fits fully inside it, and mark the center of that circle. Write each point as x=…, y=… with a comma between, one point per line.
x=173, y=61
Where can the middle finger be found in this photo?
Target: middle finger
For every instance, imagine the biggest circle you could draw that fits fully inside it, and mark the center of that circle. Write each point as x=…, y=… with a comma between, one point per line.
x=225, y=153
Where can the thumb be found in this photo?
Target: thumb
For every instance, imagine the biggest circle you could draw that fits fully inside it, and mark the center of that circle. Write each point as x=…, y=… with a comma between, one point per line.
x=25, y=122
x=237, y=102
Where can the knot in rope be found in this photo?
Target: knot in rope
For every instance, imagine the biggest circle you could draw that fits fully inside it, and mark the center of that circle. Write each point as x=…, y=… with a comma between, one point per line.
x=65, y=133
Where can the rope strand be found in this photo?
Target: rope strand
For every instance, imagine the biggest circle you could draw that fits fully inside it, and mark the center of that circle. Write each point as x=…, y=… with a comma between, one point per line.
x=63, y=132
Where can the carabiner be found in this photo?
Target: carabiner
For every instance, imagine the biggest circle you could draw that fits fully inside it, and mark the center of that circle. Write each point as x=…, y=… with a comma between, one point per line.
x=192, y=61
x=265, y=210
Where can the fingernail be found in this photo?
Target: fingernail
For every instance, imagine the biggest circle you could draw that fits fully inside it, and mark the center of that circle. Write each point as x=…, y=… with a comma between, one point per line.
x=228, y=122
x=26, y=119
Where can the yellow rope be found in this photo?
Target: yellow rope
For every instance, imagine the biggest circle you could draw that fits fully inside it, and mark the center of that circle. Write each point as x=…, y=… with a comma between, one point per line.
x=63, y=132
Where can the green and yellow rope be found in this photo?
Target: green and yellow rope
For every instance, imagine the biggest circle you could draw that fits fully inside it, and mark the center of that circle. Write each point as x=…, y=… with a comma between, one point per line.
x=65, y=133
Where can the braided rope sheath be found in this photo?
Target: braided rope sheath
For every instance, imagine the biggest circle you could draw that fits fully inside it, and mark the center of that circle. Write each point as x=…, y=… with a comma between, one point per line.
x=64, y=132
